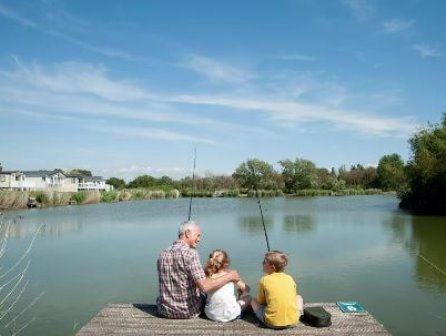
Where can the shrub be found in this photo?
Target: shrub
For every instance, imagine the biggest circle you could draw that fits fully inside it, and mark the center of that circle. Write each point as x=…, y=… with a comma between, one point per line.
x=42, y=197
x=79, y=197
x=60, y=198
x=138, y=194
x=157, y=194
x=231, y=193
x=279, y=193
x=124, y=195
x=13, y=199
x=93, y=197
x=264, y=193
x=174, y=193
x=109, y=196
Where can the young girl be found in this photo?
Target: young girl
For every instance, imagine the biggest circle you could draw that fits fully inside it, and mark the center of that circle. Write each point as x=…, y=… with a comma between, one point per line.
x=278, y=305
x=222, y=304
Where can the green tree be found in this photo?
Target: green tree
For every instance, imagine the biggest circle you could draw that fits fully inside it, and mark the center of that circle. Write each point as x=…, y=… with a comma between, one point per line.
x=255, y=173
x=326, y=179
x=342, y=171
x=353, y=177
x=370, y=177
x=299, y=174
x=117, y=183
x=166, y=180
x=224, y=182
x=144, y=181
x=390, y=173
x=427, y=171
x=82, y=172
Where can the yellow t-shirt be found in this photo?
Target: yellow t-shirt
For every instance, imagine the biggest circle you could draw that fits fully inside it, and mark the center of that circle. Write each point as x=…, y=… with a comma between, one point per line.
x=278, y=293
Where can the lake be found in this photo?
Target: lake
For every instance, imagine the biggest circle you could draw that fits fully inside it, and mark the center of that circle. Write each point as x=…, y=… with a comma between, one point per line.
x=360, y=248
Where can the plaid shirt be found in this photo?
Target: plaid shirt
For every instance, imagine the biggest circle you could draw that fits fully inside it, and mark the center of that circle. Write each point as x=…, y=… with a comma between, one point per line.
x=179, y=269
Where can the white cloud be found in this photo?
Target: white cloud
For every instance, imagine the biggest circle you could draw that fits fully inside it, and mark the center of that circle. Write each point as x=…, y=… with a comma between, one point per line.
x=13, y=15
x=78, y=78
x=130, y=172
x=294, y=112
x=58, y=22
x=215, y=70
x=148, y=133
x=361, y=9
x=397, y=25
x=105, y=51
x=87, y=92
x=426, y=50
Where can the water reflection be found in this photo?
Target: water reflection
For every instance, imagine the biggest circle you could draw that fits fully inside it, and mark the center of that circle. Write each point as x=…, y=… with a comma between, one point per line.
x=401, y=229
x=61, y=228
x=423, y=237
x=23, y=227
x=254, y=225
x=428, y=234
x=298, y=224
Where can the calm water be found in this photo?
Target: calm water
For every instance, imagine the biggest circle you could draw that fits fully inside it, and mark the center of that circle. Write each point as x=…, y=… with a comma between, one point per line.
x=341, y=248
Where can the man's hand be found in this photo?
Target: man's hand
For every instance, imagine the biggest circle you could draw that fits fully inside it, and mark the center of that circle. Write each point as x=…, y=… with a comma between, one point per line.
x=209, y=284
x=234, y=276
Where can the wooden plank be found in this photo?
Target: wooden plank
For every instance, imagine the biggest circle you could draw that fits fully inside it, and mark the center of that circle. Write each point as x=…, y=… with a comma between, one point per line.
x=142, y=319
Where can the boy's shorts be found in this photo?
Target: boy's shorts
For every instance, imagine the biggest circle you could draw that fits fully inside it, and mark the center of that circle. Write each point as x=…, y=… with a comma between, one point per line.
x=260, y=314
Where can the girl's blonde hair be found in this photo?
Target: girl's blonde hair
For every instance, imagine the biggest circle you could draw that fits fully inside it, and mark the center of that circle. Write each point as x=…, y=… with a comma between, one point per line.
x=277, y=259
x=218, y=260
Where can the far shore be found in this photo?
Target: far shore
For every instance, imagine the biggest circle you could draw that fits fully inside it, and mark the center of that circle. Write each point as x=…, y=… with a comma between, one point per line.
x=16, y=200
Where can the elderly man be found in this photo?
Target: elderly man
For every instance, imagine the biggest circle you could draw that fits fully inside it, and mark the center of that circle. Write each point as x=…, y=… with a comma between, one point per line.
x=181, y=276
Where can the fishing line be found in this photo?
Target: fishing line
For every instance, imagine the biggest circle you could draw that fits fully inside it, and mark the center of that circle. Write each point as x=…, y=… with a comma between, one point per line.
x=254, y=184
x=193, y=180
x=432, y=264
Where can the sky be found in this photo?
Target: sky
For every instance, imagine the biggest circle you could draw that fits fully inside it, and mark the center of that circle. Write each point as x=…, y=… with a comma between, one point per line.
x=126, y=88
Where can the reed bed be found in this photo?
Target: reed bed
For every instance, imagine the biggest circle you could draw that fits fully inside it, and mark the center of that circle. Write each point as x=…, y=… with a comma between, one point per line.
x=344, y=192
x=13, y=199
x=93, y=197
x=18, y=199
x=265, y=193
x=14, y=301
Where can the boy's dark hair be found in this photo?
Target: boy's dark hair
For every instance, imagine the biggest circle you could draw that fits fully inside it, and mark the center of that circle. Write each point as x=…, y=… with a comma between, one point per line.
x=278, y=259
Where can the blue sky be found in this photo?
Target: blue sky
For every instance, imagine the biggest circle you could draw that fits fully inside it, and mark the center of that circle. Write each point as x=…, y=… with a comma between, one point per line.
x=126, y=88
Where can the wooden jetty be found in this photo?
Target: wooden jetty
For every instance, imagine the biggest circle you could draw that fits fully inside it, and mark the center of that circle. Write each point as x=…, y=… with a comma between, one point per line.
x=142, y=319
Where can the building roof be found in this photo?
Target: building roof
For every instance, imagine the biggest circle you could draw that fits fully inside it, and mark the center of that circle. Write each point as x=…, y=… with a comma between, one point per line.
x=93, y=178
x=42, y=173
x=10, y=172
x=45, y=173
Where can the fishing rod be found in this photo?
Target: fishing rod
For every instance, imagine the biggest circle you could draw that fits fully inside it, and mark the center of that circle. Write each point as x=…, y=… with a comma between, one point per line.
x=193, y=180
x=254, y=184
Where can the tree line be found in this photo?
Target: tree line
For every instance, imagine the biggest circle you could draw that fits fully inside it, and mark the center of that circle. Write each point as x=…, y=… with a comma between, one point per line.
x=420, y=183
x=294, y=176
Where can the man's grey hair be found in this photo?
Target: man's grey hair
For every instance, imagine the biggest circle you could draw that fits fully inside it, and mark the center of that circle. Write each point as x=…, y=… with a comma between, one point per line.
x=186, y=225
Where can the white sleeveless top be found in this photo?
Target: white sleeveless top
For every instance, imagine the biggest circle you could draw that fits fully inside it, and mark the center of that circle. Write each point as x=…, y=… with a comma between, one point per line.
x=222, y=305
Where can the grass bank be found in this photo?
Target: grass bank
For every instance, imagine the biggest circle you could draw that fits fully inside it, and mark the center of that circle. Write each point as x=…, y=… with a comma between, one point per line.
x=10, y=200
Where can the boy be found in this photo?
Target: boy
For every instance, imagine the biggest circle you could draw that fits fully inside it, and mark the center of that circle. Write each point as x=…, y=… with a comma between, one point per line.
x=277, y=306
